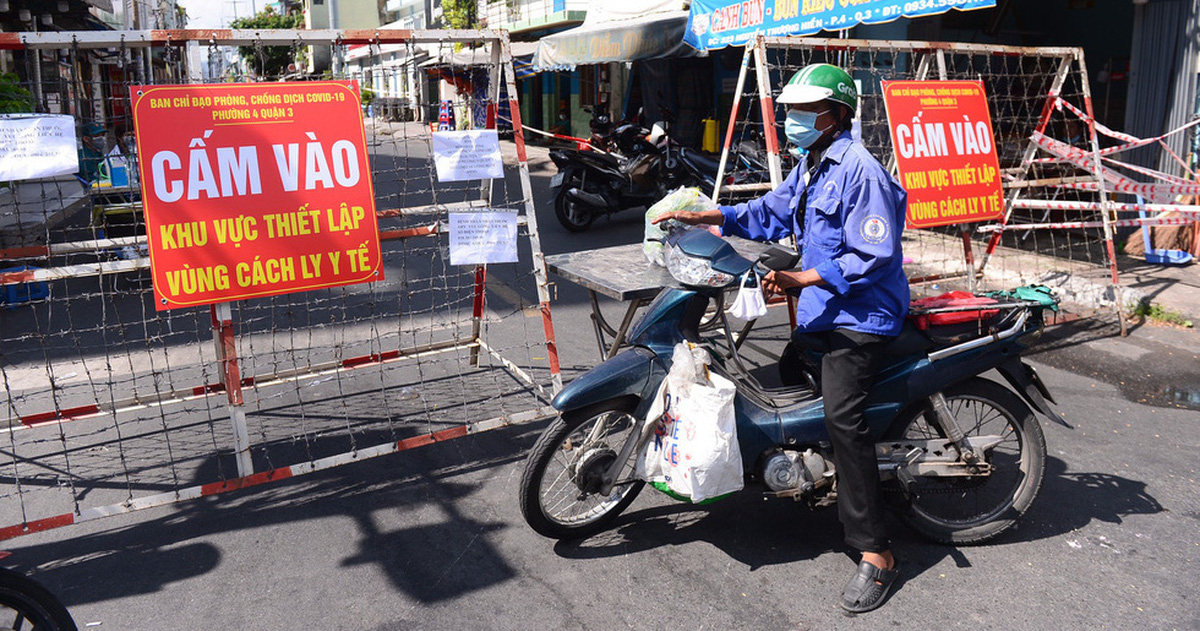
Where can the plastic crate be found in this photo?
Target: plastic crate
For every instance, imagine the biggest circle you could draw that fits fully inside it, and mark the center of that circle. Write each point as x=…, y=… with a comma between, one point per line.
x=17, y=293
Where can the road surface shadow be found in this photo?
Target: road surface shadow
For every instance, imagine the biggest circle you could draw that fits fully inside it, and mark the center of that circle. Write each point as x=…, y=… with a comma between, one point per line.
x=443, y=545
x=427, y=560
x=759, y=533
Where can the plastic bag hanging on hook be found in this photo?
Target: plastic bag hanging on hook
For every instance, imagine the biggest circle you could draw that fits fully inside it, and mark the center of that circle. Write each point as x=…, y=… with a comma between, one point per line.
x=750, y=303
x=694, y=452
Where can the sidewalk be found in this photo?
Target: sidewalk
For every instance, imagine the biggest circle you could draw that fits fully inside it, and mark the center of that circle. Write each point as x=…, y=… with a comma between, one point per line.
x=1084, y=288
x=1174, y=288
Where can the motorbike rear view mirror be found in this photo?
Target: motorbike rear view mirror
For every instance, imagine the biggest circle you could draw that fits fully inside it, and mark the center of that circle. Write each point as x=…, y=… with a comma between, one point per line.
x=777, y=258
x=656, y=133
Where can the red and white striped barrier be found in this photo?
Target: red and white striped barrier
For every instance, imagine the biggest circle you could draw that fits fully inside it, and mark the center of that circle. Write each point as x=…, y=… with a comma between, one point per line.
x=133, y=369
x=1067, y=225
x=1131, y=142
x=1134, y=188
x=1044, y=204
x=581, y=143
x=283, y=473
x=142, y=402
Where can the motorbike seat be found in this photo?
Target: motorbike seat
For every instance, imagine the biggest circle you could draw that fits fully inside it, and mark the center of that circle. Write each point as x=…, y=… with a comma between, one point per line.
x=704, y=163
x=910, y=340
x=797, y=366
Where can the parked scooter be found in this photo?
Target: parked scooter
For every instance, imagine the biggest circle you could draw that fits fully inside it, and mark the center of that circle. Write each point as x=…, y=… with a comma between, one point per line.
x=24, y=601
x=641, y=168
x=961, y=456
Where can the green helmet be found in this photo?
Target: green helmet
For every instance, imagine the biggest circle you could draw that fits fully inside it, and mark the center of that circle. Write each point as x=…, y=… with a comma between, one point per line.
x=820, y=82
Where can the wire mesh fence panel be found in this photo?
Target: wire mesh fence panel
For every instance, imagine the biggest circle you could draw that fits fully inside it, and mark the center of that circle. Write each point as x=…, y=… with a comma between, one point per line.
x=1026, y=89
x=113, y=405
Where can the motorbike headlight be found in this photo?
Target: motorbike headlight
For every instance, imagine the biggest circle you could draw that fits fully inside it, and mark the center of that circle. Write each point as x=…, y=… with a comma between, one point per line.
x=694, y=271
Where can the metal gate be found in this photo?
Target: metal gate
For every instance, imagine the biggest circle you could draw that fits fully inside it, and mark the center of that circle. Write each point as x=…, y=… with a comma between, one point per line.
x=113, y=406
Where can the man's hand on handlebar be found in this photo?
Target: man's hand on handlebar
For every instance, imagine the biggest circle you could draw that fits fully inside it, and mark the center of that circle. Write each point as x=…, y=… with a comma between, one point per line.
x=692, y=218
x=781, y=282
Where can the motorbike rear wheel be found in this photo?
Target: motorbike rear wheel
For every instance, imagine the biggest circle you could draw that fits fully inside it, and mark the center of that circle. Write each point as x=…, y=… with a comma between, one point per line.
x=559, y=492
x=24, y=601
x=573, y=216
x=973, y=510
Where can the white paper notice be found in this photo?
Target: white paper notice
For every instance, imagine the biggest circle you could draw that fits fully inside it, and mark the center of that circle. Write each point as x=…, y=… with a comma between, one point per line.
x=467, y=155
x=37, y=145
x=477, y=238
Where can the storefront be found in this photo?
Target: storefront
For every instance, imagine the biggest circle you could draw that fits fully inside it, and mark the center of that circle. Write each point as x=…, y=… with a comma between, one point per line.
x=646, y=59
x=625, y=61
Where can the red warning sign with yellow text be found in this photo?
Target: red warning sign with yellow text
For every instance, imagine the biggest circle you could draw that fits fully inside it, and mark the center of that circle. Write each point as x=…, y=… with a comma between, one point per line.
x=945, y=151
x=254, y=190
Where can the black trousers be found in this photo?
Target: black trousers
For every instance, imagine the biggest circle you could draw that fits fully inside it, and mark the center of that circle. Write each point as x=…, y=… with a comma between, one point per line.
x=847, y=374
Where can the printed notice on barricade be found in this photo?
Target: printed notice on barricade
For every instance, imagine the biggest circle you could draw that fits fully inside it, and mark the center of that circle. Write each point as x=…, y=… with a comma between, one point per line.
x=467, y=155
x=254, y=190
x=945, y=151
x=479, y=238
x=37, y=145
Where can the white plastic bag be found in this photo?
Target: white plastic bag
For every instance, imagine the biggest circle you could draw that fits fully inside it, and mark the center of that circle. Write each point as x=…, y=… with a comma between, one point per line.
x=749, y=304
x=656, y=234
x=694, y=453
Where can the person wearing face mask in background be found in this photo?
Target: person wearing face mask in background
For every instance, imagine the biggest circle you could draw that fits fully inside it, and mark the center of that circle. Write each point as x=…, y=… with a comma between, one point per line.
x=93, y=146
x=563, y=126
x=847, y=213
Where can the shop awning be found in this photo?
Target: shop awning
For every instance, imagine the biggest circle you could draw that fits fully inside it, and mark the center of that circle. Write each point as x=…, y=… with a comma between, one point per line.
x=715, y=24
x=643, y=37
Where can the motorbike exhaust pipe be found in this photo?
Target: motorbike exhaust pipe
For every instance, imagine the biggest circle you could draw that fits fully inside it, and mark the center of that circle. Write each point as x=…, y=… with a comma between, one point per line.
x=584, y=197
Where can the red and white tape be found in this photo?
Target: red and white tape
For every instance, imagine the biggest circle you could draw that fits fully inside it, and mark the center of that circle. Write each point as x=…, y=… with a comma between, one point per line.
x=1067, y=225
x=1044, y=204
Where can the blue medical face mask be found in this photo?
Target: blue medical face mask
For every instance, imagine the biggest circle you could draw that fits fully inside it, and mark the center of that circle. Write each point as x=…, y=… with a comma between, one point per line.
x=801, y=128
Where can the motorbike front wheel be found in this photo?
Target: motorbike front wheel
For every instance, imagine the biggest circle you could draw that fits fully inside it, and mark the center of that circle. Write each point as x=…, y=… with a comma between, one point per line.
x=24, y=601
x=573, y=216
x=973, y=510
x=560, y=495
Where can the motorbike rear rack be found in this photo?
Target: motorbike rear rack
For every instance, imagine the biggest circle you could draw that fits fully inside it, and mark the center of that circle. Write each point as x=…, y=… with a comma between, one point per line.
x=984, y=340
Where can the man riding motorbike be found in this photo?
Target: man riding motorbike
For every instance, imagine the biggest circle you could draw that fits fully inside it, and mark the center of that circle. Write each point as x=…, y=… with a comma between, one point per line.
x=847, y=212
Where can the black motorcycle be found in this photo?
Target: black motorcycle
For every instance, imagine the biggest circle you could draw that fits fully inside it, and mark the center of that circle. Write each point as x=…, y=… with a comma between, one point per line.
x=643, y=166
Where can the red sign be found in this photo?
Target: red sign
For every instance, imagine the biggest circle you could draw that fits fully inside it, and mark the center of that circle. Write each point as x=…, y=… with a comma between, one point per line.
x=945, y=151
x=254, y=190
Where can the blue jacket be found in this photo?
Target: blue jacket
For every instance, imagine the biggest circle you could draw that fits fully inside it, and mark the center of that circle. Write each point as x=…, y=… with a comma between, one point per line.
x=851, y=236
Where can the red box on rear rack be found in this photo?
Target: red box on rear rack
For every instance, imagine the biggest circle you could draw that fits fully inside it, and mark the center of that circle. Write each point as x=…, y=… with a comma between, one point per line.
x=953, y=316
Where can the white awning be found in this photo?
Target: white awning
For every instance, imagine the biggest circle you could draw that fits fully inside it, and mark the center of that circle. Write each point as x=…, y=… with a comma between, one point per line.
x=643, y=37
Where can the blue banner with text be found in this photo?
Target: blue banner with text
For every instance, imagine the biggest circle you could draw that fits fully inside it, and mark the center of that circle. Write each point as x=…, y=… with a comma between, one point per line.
x=714, y=24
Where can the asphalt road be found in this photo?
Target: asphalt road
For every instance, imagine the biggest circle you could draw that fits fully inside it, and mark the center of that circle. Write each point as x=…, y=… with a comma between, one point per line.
x=432, y=538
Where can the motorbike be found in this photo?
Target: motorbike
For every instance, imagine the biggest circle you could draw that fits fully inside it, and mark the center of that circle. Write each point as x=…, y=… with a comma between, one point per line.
x=641, y=168
x=960, y=456
x=24, y=600
x=601, y=127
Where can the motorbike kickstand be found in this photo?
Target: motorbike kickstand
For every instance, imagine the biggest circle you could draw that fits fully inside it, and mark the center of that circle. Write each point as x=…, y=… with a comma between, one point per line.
x=950, y=426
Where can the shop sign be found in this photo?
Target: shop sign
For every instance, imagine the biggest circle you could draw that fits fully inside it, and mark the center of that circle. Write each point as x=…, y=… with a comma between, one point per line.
x=714, y=24
x=254, y=190
x=945, y=151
